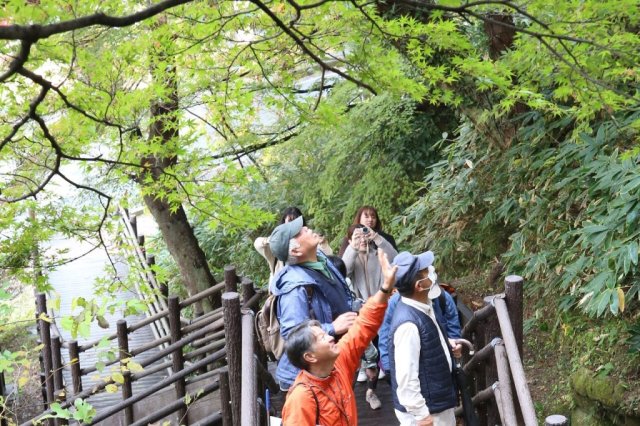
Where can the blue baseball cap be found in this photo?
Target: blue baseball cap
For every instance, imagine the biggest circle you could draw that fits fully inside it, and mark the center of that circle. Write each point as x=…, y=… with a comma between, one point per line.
x=409, y=266
x=280, y=237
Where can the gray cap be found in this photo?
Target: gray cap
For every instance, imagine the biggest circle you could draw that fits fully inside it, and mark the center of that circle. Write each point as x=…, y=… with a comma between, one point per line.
x=409, y=266
x=279, y=239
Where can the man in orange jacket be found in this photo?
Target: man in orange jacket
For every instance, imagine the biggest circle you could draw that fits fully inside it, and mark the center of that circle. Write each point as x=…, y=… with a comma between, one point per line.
x=322, y=392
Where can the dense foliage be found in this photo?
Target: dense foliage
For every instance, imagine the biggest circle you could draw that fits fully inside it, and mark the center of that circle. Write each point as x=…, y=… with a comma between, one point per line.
x=483, y=130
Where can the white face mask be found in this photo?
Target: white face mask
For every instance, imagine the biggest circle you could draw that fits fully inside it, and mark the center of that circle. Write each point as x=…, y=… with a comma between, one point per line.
x=434, y=291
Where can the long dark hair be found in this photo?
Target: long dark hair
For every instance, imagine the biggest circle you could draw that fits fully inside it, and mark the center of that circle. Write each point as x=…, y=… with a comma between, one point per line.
x=370, y=210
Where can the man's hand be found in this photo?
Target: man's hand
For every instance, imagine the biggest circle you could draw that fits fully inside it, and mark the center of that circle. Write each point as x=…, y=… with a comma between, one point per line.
x=388, y=271
x=456, y=348
x=343, y=322
x=427, y=421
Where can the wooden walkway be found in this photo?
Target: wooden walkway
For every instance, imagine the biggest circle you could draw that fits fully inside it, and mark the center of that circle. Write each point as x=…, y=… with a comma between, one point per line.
x=385, y=415
x=76, y=279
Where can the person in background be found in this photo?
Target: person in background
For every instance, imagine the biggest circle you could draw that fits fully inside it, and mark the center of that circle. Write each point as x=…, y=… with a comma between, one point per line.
x=369, y=367
x=368, y=216
x=322, y=393
x=364, y=270
x=420, y=354
x=308, y=287
x=261, y=244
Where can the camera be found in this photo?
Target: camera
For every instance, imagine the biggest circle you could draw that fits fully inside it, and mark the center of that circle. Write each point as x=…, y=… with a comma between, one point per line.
x=356, y=305
x=365, y=230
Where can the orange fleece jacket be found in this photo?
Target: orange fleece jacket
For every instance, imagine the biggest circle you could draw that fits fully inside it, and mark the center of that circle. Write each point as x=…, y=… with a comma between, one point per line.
x=335, y=396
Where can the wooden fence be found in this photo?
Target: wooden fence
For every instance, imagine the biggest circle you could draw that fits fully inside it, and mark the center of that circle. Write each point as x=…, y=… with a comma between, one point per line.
x=216, y=350
x=496, y=369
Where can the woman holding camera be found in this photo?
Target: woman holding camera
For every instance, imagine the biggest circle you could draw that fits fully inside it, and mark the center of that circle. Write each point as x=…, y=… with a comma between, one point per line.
x=364, y=271
x=368, y=216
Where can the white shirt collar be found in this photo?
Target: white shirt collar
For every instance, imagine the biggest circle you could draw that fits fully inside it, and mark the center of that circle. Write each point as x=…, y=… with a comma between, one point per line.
x=423, y=307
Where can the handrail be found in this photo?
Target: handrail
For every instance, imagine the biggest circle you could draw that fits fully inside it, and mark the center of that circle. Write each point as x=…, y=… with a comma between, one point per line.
x=515, y=363
x=480, y=357
x=176, y=405
x=157, y=304
x=205, y=293
x=478, y=316
x=136, y=376
x=159, y=385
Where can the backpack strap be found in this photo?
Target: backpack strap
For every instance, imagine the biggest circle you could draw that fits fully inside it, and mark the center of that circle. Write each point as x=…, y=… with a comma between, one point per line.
x=315, y=397
x=309, y=291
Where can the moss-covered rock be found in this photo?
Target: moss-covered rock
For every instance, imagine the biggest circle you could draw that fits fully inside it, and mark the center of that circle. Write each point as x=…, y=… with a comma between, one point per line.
x=587, y=417
x=604, y=390
x=601, y=401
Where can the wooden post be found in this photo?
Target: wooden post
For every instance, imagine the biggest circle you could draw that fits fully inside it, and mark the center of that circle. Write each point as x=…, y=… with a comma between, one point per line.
x=74, y=358
x=492, y=330
x=556, y=420
x=480, y=381
x=225, y=397
x=123, y=349
x=58, y=383
x=233, y=345
x=141, y=244
x=230, y=279
x=164, y=289
x=249, y=392
x=515, y=363
x=45, y=338
x=177, y=356
x=504, y=378
x=151, y=260
x=43, y=387
x=134, y=225
x=3, y=391
x=248, y=291
x=514, y=296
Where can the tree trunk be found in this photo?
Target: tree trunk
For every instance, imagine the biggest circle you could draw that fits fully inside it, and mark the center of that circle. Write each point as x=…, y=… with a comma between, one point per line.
x=173, y=222
x=183, y=247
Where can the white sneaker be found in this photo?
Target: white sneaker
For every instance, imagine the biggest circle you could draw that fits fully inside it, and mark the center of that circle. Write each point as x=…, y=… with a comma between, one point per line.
x=373, y=399
x=381, y=374
x=362, y=375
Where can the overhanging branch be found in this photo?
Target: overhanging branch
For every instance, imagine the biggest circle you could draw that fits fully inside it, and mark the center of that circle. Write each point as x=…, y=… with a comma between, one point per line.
x=33, y=33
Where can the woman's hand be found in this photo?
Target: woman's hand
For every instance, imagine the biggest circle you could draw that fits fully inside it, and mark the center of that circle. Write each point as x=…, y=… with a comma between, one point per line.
x=356, y=239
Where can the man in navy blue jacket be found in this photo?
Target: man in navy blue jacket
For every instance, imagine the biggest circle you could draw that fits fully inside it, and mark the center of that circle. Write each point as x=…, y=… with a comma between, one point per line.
x=420, y=353
x=446, y=312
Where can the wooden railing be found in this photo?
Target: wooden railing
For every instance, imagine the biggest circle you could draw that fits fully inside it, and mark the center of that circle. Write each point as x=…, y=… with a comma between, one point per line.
x=225, y=334
x=496, y=368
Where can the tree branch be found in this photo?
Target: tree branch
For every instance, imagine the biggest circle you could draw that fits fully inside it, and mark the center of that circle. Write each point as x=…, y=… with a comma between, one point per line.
x=18, y=61
x=307, y=51
x=33, y=33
